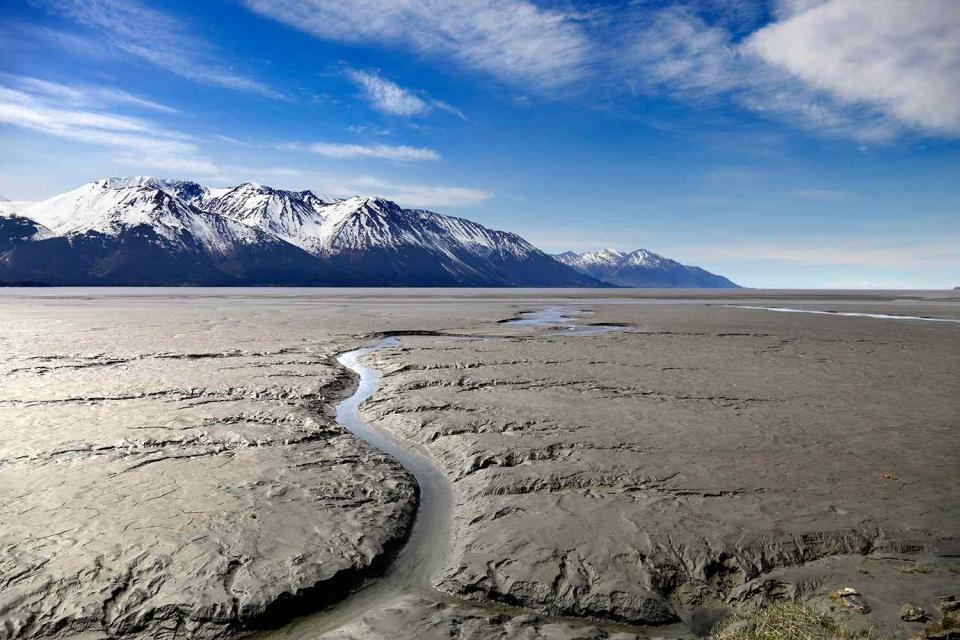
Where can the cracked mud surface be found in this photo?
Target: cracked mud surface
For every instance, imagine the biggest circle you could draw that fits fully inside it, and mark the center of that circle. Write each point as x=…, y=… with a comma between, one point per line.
x=170, y=465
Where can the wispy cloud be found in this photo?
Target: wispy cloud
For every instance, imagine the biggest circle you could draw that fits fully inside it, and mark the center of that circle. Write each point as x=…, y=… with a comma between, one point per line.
x=156, y=37
x=86, y=95
x=824, y=194
x=387, y=96
x=135, y=140
x=387, y=152
x=449, y=108
x=513, y=40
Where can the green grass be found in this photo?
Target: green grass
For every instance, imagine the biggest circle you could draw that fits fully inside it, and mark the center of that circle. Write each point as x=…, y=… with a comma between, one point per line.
x=784, y=621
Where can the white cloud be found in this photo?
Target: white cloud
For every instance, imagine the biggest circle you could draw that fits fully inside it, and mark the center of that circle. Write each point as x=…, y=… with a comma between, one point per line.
x=407, y=194
x=418, y=195
x=675, y=50
x=387, y=96
x=387, y=152
x=390, y=98
x=513, y=40
x=901, y=57
x=156, y=37
x=136, y=141
x=865, y=70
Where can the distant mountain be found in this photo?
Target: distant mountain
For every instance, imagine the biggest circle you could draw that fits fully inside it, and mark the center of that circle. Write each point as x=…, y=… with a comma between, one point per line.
x=642, y=268
x=150, y=231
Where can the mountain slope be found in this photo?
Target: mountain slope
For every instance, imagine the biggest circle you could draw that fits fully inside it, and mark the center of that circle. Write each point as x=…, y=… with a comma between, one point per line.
x=642, y=268
x=108, y=233
x=295, y=216
x=379, y=239
x=151, y=231
x=16, y=230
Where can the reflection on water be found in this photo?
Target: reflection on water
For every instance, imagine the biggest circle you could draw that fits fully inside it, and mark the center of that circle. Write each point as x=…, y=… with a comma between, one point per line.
x=561, y=317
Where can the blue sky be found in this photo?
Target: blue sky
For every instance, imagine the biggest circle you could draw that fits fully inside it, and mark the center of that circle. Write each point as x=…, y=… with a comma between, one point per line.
x=782, y=143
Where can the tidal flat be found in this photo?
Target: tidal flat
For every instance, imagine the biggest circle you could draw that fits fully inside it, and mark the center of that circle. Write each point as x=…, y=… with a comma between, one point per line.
x=197, y=463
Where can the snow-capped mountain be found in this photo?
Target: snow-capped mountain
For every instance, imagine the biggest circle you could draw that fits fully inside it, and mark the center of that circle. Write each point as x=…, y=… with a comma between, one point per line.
x=378, y=238
x=295, y=216
x=131, y=231
x=104, y=207
x=146, y=230
x=642, y=268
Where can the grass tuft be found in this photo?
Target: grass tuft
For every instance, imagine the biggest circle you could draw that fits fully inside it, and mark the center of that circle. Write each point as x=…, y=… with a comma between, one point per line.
x=784, y=621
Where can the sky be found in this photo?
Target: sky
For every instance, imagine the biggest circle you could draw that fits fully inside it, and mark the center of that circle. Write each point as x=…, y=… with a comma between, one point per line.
x=781, y=143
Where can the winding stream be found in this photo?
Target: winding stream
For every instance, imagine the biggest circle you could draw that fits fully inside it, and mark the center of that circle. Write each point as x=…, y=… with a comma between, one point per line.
x=428, y=544
x=426, y=547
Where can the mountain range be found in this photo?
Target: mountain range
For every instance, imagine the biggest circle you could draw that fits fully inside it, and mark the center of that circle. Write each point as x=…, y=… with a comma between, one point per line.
x=152, y=231
x=642, y=268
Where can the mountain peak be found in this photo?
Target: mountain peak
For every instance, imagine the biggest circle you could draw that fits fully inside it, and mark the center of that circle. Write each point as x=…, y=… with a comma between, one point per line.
x=641, y=268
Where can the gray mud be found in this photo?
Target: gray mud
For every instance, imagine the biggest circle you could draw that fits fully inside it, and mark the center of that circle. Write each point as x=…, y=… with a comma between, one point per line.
x=172, y=464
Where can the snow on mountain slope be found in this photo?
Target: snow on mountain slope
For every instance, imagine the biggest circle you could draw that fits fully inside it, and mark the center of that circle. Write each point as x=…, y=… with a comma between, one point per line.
x=641, y=268
x=135, y=232
x=112, y=206
x=327, y=227
x=380, y=239
x=189, y=192
x=599, y=258
x=361, y=222
x=295, y=216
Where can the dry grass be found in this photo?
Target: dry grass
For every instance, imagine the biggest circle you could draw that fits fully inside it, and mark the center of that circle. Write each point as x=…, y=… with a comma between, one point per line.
x=784, y=621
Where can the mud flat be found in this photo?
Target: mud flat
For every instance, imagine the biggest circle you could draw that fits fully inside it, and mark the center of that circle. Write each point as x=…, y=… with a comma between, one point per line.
x=171, y=464
x=709, y=457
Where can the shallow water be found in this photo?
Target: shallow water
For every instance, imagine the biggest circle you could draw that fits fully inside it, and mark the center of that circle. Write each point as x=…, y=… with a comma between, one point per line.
x=561, y=317
x=881, y=316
